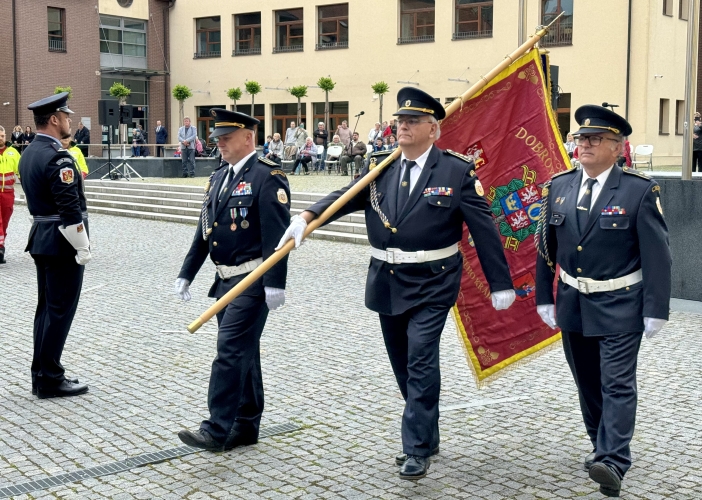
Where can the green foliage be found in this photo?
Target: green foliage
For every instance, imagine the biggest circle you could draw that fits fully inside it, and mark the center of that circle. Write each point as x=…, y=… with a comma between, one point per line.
x=119, y=91
x=326, y=84
x=181, y=92
x=380, y=88
x=234, y=94
x=67, y=88
x=252, y=87
x=299, y=91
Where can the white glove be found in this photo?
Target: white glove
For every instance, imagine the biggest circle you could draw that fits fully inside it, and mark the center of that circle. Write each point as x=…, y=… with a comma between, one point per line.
x=652, y=326
x=295, y=230
x=182, y=289
x=77, y=236
x=503, y=299
x=548, y=314
x=275, y=297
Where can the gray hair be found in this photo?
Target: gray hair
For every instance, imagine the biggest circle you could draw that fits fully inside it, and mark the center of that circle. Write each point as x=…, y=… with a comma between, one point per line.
x=438, y=127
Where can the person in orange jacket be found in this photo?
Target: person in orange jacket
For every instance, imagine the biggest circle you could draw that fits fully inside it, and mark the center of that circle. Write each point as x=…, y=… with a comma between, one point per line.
x=9, y=173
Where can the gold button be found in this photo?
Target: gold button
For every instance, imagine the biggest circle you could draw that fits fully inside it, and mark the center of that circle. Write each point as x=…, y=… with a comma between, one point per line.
x=614, y=225
x=216, y=262
x=443, y=267
x=438, y=203
x=239, y=203
x=215, y=224
x=627, y=288
x=578, y=269
x=392, y=272
x=580, y=249
x=214, y=244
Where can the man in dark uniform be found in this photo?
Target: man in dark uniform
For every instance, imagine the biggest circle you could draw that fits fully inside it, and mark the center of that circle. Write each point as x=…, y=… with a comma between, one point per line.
x=245, y=212
x=603, y=225
x=415, y=212
x=58, y=242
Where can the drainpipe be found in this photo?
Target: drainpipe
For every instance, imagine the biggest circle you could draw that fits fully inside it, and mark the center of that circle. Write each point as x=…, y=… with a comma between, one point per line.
x=14, y=57
x=628, y=64
x=693, y=30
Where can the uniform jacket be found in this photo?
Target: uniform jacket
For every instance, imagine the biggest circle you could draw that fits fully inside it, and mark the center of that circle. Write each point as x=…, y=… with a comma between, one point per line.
x=53, y=185
x=610, y=247
x=9, y=169
x=268, y=206
x=426, y=223
x=82, y=136
x=161, y=135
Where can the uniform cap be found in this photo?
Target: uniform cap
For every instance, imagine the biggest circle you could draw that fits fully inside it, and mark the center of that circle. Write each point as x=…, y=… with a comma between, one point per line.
x=412, y=101
x=51, y=104
x=230, y=121
x=595, y=119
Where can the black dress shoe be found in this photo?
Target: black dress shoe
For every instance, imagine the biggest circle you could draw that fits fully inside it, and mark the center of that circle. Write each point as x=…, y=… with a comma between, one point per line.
x=402, y=458
x=34, y=384
x=607, y=477
x=414, y=468
x=240, y=440
x=64, y=389
x=589, y=460
x=200, y=439
x=185, y=175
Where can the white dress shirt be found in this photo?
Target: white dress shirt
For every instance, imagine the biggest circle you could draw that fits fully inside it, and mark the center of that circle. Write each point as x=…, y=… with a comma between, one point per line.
x=235, y=169
x=596, y=188
x=416, y=169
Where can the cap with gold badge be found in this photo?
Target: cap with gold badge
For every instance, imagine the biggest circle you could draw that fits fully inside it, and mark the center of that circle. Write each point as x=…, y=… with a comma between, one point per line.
x=595, y=119
x=412, y=101
x=51, y=104
x=227, y=121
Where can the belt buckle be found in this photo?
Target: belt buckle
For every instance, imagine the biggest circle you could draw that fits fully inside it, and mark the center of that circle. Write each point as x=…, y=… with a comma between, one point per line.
x=390, y=255
x=582, y=287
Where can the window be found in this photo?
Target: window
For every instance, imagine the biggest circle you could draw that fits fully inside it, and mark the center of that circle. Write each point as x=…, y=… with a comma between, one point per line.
x=668, y=7
x=57, y=29
x=247, y=34
x=260, y=110
x=560, y=33
x=416, y=21
x=338, y=112
x=283, y=114
x=664, y=117
x=473, y=19
x=288, y=31
x=205, y=122
x=684, y=9
x=563, y=115
x=679, y=117
x=333, y=26
x=122, y=42
x=209, y=37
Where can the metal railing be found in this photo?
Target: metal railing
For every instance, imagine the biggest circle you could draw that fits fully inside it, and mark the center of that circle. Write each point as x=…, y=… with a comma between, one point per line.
x=560, y=34
x=415, y=39
x=204, y=55
x=332, y=45
x=287, y=48
x=246, y=52
x=465, y=35
x=57, y=45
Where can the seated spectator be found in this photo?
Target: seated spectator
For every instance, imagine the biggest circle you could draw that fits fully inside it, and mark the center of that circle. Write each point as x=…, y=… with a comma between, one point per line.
x=378, y=145
x=570, y=145
x=392, y=144
x=336, y=141
x=308, y=153
x=275, y=149
x=265, y=145
x=355, y=152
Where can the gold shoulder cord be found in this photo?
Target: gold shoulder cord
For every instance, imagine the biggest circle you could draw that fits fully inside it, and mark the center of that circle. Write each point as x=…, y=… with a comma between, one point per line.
x=374, y=201
x=205, y=217
x=540, y=234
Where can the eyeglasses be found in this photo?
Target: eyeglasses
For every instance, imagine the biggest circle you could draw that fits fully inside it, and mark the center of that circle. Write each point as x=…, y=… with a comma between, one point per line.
x=412, y=122
x=592, y=140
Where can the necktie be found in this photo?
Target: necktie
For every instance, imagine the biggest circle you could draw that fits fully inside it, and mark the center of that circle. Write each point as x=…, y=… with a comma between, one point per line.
x=227, y=180
x=404, y=190
x=584, y=205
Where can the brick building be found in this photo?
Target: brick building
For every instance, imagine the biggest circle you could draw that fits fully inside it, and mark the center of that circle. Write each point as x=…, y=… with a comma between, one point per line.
x=88, y=47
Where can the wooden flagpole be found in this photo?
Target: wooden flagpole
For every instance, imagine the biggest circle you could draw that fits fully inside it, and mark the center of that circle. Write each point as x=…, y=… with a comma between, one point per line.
x=360, y=185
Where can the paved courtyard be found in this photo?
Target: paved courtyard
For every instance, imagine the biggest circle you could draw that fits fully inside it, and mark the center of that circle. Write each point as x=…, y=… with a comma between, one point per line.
x=326, y=371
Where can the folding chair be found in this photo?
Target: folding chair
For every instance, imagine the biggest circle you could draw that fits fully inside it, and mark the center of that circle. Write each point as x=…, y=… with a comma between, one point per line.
x=643, y=150
x=334, y=151
x=318, y=162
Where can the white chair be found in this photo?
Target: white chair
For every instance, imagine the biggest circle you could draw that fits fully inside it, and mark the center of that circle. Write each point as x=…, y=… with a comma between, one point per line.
x=643, y=150
x=334, y=151
x=369, y=149
x=318, y=161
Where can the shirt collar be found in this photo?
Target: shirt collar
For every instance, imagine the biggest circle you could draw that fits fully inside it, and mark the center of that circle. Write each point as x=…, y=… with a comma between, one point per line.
x=601, y=179
x=422, y=158
x=50, y=137
x=238, y=166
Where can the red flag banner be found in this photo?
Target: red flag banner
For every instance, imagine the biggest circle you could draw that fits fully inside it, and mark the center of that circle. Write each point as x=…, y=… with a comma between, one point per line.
x=510, y=131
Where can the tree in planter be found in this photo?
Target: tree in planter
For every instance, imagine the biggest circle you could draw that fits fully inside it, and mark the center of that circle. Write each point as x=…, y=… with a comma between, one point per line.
x=327, y=85
x=252, y=88
x=235, y=95
x=67, y=88
x=181, y=93
x=300, y=91
x=380, y=88
x=121, y=93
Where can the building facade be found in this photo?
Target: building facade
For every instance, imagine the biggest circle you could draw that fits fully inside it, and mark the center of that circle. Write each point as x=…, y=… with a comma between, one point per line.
x=628, y=53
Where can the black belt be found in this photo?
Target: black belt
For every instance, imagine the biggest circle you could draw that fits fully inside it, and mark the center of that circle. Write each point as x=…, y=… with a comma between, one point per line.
x=52, y=218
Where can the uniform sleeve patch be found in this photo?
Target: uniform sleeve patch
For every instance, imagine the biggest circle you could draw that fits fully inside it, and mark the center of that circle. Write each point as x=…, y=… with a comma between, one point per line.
x=277, y=171
x=64, y=160
x=282, y=196
x=66, y=175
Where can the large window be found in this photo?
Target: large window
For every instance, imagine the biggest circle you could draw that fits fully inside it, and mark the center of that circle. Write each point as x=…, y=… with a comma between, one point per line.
x=338, y=112
x=333, y=26
x=139, y=98
x=288, y=31
x=560, y=33
x=283, y=114
x=416, y=21
x=122, y=42
x=664, y=117
x=209, y=37
x=57, y=29
x=247, y=34
x=473, y=19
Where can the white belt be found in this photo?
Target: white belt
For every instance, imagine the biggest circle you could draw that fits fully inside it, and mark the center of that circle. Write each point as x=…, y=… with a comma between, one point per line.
x=397, y=256
x=587, y=285
x=226, y=272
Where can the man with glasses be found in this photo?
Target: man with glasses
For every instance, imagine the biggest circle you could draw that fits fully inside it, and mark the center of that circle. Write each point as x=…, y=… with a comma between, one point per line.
x=603, y=225
x=415, y=212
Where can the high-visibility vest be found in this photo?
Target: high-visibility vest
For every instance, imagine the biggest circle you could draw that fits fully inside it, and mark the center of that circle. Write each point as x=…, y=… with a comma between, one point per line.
x=80, y=159
x=9, y=169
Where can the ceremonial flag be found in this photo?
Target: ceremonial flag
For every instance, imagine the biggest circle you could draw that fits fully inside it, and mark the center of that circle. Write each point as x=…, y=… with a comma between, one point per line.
x=510, y=130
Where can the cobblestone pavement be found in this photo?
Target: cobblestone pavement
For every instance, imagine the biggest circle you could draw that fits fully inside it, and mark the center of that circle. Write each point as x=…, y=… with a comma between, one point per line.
x=325, y=369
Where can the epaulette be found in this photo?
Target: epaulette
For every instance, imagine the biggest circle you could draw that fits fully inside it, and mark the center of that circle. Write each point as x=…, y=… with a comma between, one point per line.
x=631, y=171
x=569, y=171
x=459, y=155
x=382, y=152
x=267, y=161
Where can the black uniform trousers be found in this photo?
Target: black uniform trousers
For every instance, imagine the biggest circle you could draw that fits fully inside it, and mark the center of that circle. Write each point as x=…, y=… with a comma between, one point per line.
x=412, y=342
x=604, y=369
x=59, y=282
x=235, y=396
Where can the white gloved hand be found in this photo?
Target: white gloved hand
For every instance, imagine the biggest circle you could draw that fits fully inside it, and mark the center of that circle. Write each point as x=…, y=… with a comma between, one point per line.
x=295, y=230
x=182, y=289
x=652, y=326
x=77, y=236
x=503, y=299
x=275, y=297
x=548, y=314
